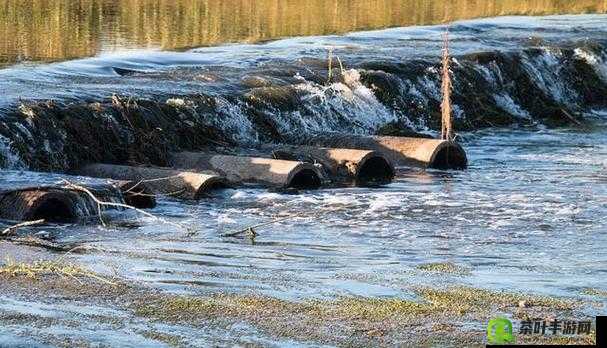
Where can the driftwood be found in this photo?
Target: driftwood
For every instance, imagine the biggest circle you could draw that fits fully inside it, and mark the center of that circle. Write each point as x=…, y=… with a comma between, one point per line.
x=39, y=243
x=265, y=171
x=12, y=229
x=184, y=184
x=361, y=166
x=447, y=86
x=107, y=204
x=137, y=194
x=251, y=230
x=401, y=151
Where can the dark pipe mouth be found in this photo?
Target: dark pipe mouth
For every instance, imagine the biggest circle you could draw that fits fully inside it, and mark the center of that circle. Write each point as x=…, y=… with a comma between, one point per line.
x=450, y=156
x=212, y=186
x=53, y=209
x=305, y=179
x=375, y=171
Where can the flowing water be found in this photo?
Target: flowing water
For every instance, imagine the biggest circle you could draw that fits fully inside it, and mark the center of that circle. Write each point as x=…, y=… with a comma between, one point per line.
x=42, y=30
x=528, y=214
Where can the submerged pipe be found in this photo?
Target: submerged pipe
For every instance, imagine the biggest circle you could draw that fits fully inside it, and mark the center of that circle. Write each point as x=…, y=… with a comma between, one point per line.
x=54, y=204
x=265, y=171
x=364, y=167
x=403, y=151
x=184, y=184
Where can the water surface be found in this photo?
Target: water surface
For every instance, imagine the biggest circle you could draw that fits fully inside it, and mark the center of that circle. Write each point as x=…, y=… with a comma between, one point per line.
x=54, y=30
x=528, y=215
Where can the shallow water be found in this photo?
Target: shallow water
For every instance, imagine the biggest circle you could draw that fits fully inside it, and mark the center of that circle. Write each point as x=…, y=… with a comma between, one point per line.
x=527, y=216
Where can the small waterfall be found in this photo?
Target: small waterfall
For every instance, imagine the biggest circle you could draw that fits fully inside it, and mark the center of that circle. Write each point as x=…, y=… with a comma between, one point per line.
x=597, y=60
x=310, y=107
x=8, y=158
x=550, y=85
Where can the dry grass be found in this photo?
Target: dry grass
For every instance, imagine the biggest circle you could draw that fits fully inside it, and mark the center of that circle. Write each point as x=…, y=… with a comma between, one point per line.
x=39, y=269
x=595, y=292
x=447, y=120
x=454, y=301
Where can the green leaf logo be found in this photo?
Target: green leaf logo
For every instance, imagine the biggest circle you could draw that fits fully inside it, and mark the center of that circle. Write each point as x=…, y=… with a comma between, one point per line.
x=499, y=331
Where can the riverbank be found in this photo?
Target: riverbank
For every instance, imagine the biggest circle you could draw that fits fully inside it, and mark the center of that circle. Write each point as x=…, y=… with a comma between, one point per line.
x=37, y=296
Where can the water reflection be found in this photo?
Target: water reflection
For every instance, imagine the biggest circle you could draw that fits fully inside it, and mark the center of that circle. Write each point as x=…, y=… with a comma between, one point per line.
x=51, y=30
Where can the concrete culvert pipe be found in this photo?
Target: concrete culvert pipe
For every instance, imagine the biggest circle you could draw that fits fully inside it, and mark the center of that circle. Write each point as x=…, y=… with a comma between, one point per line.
x=265, y=171
x=177, y=183
x=53, y=204
x=363, y=167
x=403, y=151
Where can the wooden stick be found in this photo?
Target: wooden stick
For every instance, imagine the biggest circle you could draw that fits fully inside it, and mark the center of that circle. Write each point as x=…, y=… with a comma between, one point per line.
x=236, y=233
x=11, y=229
x=447, y=118
x=38, y=243
x=571, y=118
x=119, y=205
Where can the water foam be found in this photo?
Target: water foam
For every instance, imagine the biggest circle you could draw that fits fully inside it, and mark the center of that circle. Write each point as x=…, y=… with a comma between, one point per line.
x=598, y=63
x=545, y=70
x=8, y=158
x=334, y=106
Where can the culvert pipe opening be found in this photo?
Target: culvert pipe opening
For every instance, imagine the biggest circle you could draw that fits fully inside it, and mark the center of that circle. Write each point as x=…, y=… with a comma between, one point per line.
x=363, y=167
x=29, y=204
x=305, y=179
x=375, y=169
x=449, y=155
x=401, y=151
x=52, y=208
x=55, y=204
x=161, y=181
x=212, y=185
x=237, y=170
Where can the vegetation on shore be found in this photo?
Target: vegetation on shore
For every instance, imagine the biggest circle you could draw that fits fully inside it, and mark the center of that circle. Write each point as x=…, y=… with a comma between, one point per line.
x=452, y=315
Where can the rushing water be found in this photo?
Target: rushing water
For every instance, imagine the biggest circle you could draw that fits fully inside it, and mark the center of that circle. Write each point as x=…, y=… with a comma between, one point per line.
x=527, y=215
x=507, y=71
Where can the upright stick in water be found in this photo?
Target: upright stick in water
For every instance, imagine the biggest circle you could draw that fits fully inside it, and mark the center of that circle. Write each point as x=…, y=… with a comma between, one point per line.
x=447, y=128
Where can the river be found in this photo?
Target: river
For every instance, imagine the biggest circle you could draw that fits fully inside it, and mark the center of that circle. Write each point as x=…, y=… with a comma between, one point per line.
x=526, y=216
